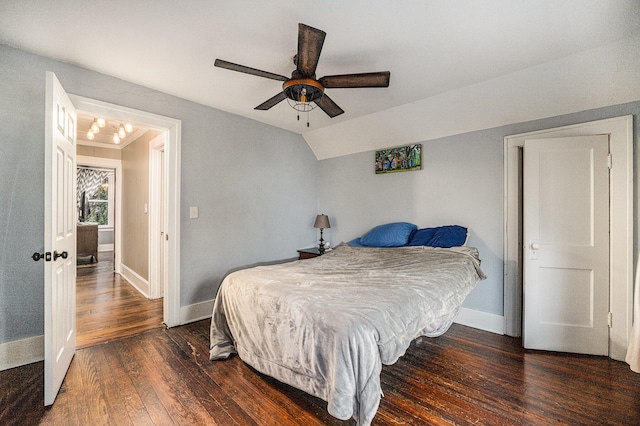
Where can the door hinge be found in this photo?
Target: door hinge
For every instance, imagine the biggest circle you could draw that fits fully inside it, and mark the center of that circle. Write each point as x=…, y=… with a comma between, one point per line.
x=609, y=161
x=610, y=319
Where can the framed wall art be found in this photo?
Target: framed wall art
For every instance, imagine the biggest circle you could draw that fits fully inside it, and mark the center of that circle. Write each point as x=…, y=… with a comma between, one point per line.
x=399, y=159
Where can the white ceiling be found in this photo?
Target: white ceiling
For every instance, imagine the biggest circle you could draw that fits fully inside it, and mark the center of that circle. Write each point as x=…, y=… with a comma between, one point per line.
x=432, y=48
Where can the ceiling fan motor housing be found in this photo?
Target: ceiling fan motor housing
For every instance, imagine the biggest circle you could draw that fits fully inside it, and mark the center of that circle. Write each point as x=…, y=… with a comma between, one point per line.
x=303, y=90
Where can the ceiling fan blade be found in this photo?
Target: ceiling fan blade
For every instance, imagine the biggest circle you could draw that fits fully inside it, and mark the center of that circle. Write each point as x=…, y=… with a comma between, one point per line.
x=310, y=41
x=272, y=101
x=327, y=105
x=369, y=79
x=248, y=70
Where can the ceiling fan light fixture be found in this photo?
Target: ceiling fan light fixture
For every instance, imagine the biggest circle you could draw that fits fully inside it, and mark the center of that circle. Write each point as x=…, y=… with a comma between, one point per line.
x=301, y=92
x=301, y=106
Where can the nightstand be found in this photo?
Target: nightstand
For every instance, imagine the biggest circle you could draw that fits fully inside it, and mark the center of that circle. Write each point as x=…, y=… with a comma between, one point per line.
x=308, y=253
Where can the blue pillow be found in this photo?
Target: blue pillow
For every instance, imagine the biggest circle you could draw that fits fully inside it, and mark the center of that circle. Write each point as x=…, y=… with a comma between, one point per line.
x=355, y=243
x=421, y=237
x=390, y=235
x=448, y=236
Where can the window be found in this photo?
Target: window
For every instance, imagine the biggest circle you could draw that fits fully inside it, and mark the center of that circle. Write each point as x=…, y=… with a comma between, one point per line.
x=99, y=205
x=95, y=196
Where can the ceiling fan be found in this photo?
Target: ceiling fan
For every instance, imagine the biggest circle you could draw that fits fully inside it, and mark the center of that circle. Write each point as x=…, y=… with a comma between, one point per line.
x=303, y=87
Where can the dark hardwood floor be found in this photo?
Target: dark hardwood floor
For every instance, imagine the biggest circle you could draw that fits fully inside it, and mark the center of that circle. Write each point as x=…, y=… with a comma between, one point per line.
x=130, y=370
x=108, y=308
x=164, y=376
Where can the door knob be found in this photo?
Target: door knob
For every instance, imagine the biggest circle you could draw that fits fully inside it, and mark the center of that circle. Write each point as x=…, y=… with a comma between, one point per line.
x=63, y=255
x=37, y=256
x=535, y=246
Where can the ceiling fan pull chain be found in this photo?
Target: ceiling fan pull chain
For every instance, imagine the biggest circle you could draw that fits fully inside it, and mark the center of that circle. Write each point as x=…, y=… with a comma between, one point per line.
x=307, y=118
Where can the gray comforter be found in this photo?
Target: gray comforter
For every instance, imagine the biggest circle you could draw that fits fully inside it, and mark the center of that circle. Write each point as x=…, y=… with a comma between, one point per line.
x=326, y=325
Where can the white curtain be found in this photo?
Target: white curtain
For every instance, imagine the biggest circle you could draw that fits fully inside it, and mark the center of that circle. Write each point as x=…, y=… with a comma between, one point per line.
x=633, y=352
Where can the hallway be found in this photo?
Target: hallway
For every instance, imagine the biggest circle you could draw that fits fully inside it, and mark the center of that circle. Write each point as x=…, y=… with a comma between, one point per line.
x=108, y=307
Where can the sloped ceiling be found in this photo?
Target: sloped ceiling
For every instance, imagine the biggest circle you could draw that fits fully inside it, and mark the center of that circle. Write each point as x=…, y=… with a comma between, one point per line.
x=455, y=65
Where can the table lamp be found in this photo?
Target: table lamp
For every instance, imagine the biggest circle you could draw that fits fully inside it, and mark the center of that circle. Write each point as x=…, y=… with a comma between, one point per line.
x=322, y=222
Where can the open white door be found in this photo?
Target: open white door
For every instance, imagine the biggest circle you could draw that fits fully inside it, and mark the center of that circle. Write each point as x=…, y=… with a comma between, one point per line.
x=59, y=237
x=566, y=237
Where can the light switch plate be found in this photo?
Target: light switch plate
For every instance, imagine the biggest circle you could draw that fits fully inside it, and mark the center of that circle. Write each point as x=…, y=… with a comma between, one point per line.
x=193, y=212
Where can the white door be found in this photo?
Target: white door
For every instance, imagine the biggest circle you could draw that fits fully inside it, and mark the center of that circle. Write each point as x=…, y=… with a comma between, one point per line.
x=59, y=237
x=566, y=238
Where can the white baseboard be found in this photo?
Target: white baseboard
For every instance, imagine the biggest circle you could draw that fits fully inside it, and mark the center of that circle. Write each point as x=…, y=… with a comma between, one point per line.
x=196, y=312
x=21, y=352
x=480, y=320
x=105, y=247
x=135, y=280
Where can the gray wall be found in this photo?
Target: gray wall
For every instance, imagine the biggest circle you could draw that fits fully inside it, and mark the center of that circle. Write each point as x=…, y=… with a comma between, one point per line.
x=461, y=183
x=255, y=185
x=257, y=188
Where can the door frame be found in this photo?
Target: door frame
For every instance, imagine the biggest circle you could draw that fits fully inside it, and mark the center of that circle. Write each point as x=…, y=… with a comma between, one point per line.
x=156, y=203
x=172, y=128
x=621, y=187
x=116, y=165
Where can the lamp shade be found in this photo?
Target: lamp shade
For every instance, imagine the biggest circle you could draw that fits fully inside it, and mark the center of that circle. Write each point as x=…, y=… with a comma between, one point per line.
x=322, y=222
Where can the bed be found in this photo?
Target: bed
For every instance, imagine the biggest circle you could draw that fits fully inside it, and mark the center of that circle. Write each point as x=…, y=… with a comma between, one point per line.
x=326, y=325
